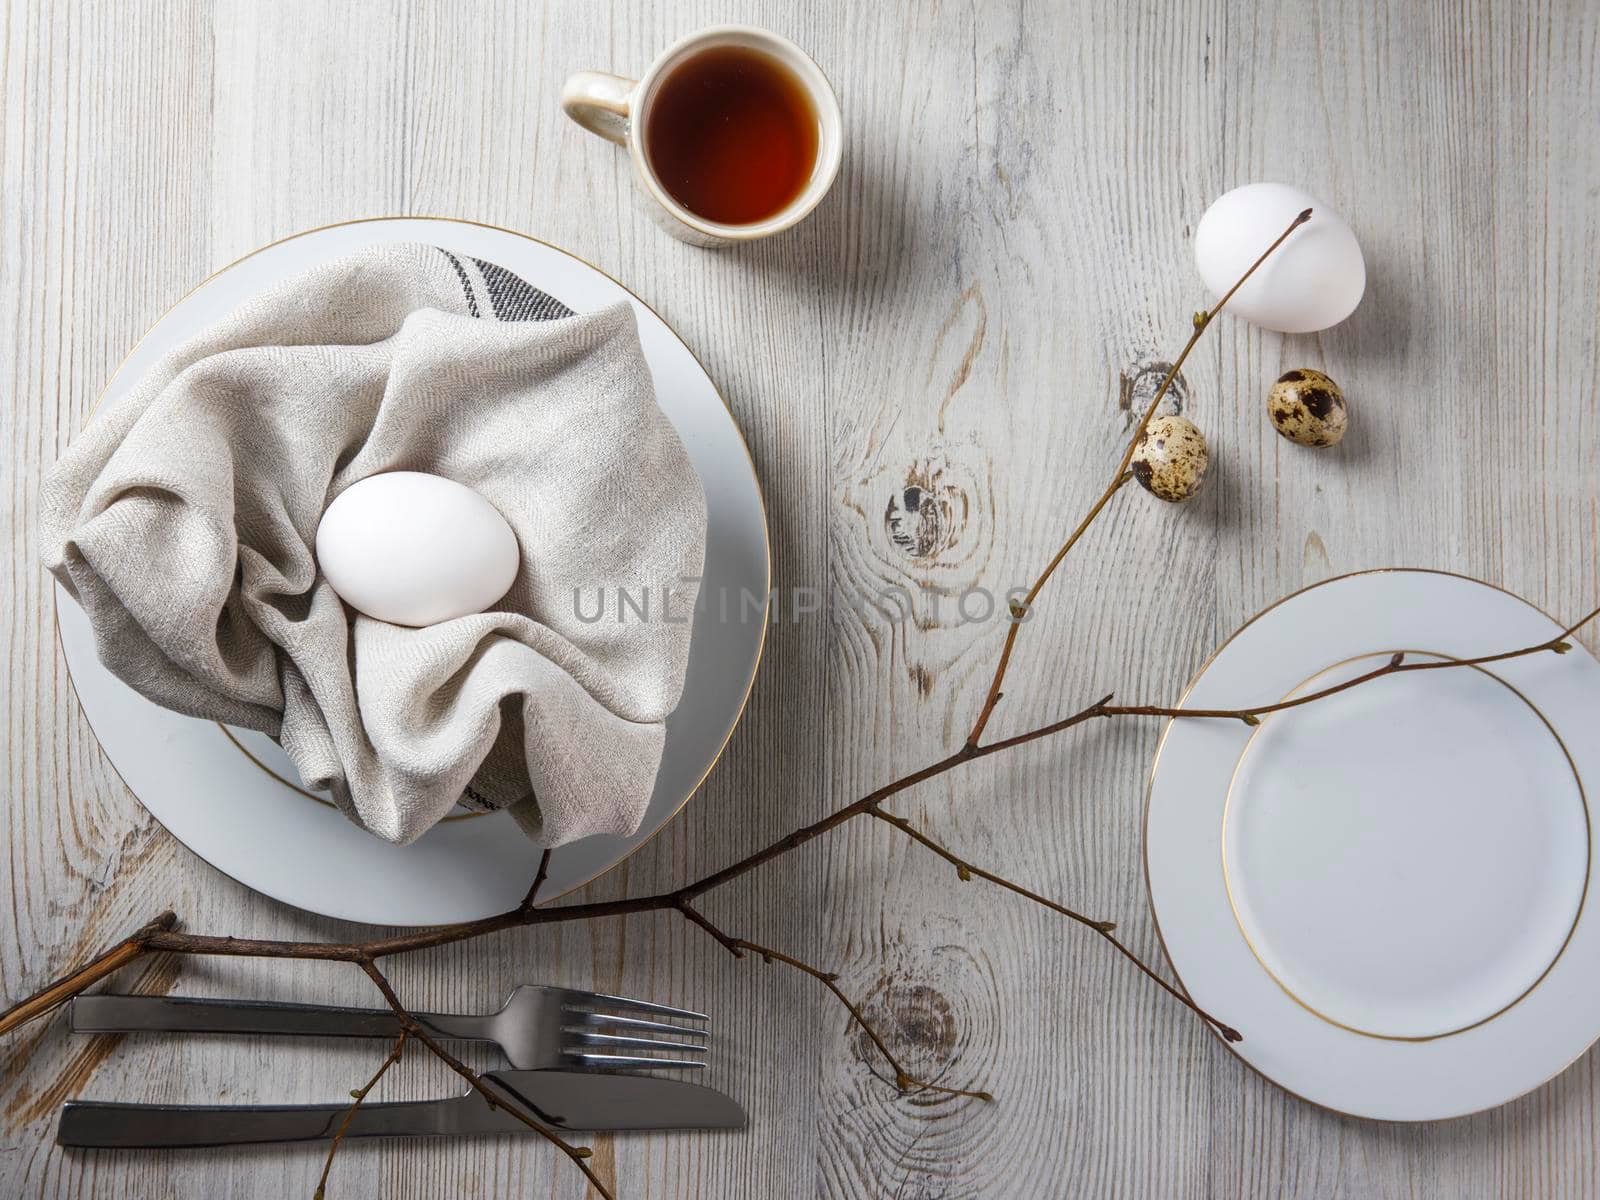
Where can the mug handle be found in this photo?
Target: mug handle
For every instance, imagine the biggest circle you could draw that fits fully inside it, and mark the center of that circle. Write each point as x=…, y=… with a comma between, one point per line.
x=599, y=102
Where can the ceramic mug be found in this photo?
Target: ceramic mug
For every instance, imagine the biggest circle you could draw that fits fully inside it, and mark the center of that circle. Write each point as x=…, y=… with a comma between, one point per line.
x=618, y=109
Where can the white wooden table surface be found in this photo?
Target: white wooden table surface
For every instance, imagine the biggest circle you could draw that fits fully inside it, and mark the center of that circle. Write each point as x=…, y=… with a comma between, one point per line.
x=1005, y=255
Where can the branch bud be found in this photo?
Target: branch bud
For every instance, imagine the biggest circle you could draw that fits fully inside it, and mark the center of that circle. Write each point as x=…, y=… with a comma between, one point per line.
x=1250, y=719
x=1398, y=658
x=1561, y=647
x=1201, y=319
x=962, y=873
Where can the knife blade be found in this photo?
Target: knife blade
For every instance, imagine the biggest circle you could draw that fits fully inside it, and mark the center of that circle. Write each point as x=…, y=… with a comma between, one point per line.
x=576, y=1101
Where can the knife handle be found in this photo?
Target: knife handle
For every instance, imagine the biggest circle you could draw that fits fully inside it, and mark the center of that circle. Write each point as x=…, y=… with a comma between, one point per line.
x=94, y=1124
x=174, y=1014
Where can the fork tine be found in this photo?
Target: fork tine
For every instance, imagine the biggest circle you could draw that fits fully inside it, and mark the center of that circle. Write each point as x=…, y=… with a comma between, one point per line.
x=583, y=1037
x=574, y=1017
x=629, y=1062
x=572, y=997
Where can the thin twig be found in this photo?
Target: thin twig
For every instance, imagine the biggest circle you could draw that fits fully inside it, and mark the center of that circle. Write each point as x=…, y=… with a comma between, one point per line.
x=1103, y=708
x=966, y=870
x=1396, y=665
x=59, y=991
x=904, y=1081
x=539, y=877
x=1020, y=610
x=360, y=1095
x=1105, y=929
x=484, y=1087
x=730, y=944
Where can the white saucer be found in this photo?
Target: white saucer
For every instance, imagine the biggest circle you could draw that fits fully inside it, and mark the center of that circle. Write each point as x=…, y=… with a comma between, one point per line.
x=270, y=836
x=1387, y=891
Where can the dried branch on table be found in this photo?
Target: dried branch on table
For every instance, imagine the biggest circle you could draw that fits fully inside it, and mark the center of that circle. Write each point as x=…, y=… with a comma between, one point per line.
x=359, y=1095
x=495, y=1097
x=160, y=935
x=50, y=997
x=1106, y=929
x=904, y=1081
x=539, y=877
x=1019, y=609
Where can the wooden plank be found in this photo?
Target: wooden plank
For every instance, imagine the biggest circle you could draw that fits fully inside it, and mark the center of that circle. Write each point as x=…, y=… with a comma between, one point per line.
x=934, y=374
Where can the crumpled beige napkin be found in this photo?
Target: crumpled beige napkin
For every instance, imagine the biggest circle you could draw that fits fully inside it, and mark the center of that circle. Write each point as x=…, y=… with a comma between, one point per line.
x=184, y=520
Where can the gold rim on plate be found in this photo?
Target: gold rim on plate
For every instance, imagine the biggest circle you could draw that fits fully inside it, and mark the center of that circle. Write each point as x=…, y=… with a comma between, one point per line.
x=1155, y=761
x=761, y=645
x=1583, y=893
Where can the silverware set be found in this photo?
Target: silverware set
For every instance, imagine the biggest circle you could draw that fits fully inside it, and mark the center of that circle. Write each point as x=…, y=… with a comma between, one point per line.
x=574, y=1056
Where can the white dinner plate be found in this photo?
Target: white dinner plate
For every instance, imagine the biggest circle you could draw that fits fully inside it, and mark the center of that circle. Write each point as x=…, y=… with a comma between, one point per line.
x=246, y=813
x=1388, y=890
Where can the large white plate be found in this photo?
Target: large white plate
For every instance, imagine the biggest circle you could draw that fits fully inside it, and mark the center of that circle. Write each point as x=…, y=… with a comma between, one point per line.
x=1388, y=891
x=258, y=828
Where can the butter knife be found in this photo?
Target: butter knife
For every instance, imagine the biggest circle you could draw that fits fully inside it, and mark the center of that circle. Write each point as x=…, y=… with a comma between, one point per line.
x=578, y=1101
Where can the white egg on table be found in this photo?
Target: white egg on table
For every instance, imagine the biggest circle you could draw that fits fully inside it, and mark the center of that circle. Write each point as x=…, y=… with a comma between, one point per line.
x=413, y=549
x=1311, y=282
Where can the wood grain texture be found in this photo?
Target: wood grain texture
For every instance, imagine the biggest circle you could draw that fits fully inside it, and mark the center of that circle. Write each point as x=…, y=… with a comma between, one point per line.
x=934, y=373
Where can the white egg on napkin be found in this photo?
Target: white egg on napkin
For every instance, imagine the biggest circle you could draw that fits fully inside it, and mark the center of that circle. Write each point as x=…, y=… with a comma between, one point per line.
x=1313, y=281
x=414, y=549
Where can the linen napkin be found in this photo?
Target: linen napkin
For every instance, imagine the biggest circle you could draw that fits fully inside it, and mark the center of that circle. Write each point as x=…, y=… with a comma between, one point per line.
x=184, y=520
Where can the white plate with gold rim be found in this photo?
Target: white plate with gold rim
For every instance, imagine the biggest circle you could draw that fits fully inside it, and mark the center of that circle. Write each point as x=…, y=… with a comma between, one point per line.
x=234, y=799
x=1388, y=891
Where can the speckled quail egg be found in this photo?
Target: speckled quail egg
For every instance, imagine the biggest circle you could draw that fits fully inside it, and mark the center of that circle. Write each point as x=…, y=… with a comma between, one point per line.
x=1307, y=408
x=1170, y=459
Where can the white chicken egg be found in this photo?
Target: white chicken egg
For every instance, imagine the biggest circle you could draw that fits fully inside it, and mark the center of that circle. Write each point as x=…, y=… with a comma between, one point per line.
x=413, y=549
x=1313, y=281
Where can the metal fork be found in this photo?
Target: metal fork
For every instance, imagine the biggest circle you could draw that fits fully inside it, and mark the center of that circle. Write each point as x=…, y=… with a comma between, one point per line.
x=537, y=1027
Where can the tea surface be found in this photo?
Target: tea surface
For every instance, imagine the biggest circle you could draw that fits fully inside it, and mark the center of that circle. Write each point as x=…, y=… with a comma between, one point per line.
x=732, y=135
